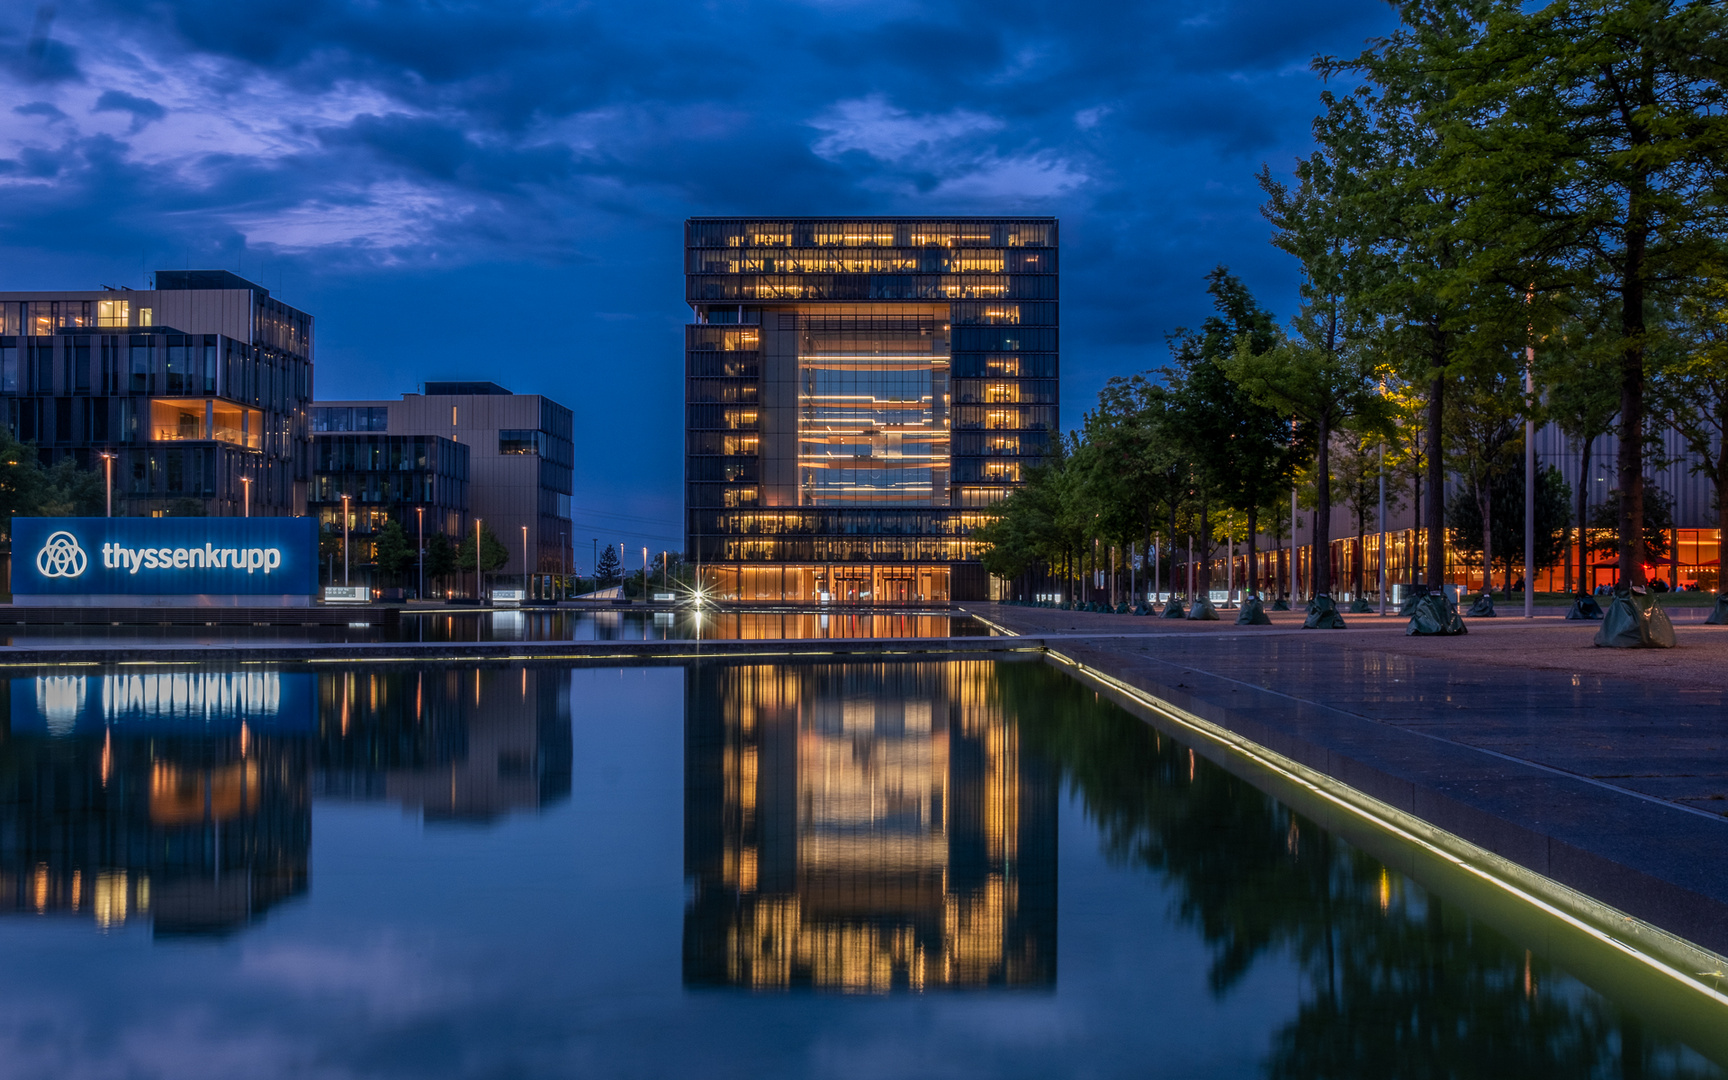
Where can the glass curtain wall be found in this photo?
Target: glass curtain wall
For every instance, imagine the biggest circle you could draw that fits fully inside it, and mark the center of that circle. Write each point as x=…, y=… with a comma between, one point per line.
x=873, y=409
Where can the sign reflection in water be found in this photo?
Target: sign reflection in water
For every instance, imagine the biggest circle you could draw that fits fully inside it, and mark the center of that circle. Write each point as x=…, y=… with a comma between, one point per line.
x=864, y=828
x=184, y=798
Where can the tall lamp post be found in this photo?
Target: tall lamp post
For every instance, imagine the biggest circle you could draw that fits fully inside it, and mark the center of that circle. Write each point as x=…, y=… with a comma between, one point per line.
x=246, y=487
x=108, y=468
x=344, y=540
x=479, y=582
x=420, y=516
x=525, y=586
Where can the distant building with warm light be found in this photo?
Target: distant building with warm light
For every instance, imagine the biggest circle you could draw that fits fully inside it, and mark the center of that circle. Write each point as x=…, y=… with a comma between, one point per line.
x=197, y=385
x=858, y=391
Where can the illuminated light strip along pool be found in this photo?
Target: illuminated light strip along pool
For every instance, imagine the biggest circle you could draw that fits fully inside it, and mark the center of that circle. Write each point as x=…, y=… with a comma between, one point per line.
x=1669, y=955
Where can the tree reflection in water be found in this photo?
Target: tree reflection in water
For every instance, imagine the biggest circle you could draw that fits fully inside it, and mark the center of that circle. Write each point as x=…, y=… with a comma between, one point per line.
x=1398, y=982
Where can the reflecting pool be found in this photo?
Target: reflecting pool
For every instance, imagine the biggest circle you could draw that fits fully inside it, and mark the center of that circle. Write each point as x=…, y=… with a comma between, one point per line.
x=728, y=869
x=541, y=624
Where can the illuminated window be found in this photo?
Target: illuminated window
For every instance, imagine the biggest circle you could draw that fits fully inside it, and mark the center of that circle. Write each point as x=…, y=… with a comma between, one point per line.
x=113, y=313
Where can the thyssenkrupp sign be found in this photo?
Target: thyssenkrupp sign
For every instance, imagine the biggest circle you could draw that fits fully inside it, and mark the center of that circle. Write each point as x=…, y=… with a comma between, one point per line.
x=105, y=560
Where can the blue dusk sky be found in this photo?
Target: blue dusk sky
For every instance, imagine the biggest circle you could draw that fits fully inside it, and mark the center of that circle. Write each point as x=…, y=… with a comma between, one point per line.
x=496, y=190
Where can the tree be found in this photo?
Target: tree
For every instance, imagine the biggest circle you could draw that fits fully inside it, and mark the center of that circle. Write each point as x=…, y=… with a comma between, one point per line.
x=1484, y=434
x=440, y=556
x=1244, y=450
x=1582, y=397
x=1658, y=522
x=1356, y=480
x=1322, y=371
x=610, y=570
x=186, y=507
x=1588, y=137
x=66, y=490
x=392, y=552
x=1692, y=389
x=1507, y=494
x=493, y=554
x=1406, y=219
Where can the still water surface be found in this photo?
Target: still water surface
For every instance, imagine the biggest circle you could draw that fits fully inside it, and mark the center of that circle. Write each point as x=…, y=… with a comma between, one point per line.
x=540, y=624
x=937, y=869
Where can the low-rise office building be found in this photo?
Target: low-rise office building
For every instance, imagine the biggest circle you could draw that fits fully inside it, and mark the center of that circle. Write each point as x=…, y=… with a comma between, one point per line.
x=199, y=387
x=420, y=481
x=469, y=451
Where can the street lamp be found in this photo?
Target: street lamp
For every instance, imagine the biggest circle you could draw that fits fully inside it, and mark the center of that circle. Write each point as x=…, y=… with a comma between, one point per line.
x=524, y=560
x=108, y=457
x=344, y=540
x=246, y=486
x=420, y=516
x=479, y=582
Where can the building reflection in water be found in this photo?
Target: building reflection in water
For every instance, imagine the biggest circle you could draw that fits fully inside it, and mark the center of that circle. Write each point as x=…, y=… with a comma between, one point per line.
x=864, y=828
x=184, y=798
x=452, y=744
x=179, y=797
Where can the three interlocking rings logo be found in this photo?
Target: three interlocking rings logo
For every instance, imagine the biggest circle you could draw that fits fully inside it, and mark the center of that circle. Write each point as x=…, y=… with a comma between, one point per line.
x=61, y=556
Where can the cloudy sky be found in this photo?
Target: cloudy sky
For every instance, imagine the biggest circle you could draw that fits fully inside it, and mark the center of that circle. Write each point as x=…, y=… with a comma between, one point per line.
x=495, y=190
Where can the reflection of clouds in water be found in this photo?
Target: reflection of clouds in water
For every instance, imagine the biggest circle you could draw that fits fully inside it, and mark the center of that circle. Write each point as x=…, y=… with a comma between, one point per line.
x=391, y=979
x=189, y=1044
x=60, y=698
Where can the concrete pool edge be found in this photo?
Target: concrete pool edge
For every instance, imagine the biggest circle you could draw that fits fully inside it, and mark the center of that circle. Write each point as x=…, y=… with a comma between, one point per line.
x=1686, y=963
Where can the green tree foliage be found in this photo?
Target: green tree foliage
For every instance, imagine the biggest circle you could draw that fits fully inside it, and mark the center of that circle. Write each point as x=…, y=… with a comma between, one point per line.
x=1323, y=371
x=1242, y=448
x=393, y=553
x=29, y=490
x=1356, y=477
x=493, y=554
x=1605, y=521
x=610, y=571
x=440, y=557
x=1587, y=139
x=1484, y=437
x=1582, y=397
x=1507, y=494
x=1691, y=393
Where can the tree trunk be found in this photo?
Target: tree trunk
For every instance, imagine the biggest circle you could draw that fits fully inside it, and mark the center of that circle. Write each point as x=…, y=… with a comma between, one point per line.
x=1435, y=440
x=1485, y=504
x=1583, y=510
x=1361, y=557
x=1203, y=587
x=1631, y=458
x=1252, y=580
x=1323, y=509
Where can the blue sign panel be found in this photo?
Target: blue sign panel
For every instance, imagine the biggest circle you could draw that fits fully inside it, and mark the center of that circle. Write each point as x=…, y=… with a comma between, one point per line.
x=164, y=556
x=164, y=702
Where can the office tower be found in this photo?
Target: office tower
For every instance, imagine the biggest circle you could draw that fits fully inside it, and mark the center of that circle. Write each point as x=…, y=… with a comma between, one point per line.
x=858, y=391
x=198, y=386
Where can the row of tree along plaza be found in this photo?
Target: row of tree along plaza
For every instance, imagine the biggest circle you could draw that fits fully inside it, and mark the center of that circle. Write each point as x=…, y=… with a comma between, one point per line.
x=1510, y=238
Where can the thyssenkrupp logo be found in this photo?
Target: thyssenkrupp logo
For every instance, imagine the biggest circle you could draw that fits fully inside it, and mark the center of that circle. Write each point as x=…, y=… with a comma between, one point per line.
x=61, y=556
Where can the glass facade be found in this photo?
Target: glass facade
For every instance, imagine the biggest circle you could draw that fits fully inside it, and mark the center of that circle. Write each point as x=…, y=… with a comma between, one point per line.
x=856, y=392
x=217, y=419
x=388, y=477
